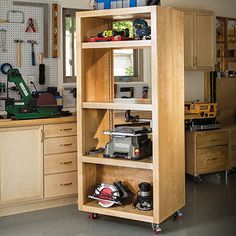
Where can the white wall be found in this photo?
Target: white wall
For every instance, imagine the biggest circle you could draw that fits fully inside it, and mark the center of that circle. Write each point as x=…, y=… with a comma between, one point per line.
x=194, y=80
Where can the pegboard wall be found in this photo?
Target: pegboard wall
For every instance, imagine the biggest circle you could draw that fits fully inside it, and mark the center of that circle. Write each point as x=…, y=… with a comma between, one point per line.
x=16, y=31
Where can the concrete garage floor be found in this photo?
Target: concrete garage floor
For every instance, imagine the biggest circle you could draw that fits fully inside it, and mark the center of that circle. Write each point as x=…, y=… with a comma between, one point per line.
x=210, y=211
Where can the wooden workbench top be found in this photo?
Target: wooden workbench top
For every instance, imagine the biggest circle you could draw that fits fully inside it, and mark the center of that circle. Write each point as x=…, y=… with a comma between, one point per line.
x=8, y=123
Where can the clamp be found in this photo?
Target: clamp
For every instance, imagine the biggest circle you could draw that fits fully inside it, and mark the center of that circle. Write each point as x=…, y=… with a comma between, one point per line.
x=30, y=25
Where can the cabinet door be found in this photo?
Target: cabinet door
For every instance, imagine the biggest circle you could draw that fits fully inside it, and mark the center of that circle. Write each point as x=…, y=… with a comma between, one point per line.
x=188, y=40
x=21, y=164
x=205, y=41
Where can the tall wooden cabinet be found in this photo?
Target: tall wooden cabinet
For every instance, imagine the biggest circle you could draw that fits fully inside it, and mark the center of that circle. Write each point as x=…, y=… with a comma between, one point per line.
x=21, y=164
x=199, y=39
x=96, y=104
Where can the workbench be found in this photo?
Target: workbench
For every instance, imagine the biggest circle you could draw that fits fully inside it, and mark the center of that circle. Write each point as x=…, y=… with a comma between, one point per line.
x=38, y=164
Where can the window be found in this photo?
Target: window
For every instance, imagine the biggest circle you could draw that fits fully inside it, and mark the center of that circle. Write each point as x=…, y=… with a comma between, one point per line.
x=69, y=47
x=128, y=63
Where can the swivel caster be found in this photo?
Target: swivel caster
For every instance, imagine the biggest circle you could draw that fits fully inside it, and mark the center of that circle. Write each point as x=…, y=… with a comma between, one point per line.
x=156, y=228
x=93, y=216
x=197, y=179
x=177, y=215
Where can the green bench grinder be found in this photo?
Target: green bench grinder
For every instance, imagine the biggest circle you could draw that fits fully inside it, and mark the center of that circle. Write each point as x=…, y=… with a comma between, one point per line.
x=29, y=107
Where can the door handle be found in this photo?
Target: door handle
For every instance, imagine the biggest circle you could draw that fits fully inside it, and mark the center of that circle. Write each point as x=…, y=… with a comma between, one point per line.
x=66, y=145
x=66, y=184
x=66, y=163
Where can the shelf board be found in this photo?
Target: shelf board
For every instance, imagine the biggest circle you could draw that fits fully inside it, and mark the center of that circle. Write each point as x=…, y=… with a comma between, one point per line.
x=120, y=13
x=118, y=44
x=99, y=159
x=125, y=211
x=121, y=104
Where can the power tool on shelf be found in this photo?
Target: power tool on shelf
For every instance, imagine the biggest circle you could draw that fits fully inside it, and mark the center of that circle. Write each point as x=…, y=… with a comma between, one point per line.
x=108, y=195
x=29, y=107
x=130, y=142
x=141, y=29
x=144, y=200
x=111, y=35
x=200, y=116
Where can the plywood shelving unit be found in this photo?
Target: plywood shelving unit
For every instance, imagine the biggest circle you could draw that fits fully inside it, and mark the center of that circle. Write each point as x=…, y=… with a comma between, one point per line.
x=96, y=105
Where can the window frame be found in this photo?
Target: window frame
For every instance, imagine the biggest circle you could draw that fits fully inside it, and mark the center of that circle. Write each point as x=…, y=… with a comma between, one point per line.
x=69, y=12
x=138, y=68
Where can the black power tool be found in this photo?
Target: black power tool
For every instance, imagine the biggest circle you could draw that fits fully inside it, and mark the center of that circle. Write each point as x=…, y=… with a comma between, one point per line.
x=144, y=200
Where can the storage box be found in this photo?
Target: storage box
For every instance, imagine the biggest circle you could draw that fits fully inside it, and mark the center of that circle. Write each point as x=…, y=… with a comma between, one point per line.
x=113, y=4
x=129, y=3
x=141, y=3
x=102, y=4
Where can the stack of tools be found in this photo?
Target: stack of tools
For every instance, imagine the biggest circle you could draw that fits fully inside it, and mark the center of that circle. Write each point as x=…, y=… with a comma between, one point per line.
x=111, y=35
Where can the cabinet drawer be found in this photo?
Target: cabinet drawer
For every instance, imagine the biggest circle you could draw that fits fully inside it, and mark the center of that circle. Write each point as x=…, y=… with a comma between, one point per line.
x=60, y=145
x=60, y=184
x=212, y=159
x=233, y=138
x=60, y=130
x=209, y=139
x=233, y=157
x=60, y=163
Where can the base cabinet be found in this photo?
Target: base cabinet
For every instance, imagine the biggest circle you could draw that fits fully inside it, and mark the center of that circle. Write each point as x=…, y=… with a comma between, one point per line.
x=38, y=167
x=206, y=152
x=21, y=163
x=233, y=148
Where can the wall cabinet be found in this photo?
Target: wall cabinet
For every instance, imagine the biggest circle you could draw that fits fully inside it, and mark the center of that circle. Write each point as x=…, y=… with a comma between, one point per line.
x=199, y=40
x=21, y=156
x=207, y=152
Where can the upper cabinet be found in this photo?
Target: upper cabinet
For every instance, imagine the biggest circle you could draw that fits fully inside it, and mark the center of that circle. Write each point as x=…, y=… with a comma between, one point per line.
x=199, y=40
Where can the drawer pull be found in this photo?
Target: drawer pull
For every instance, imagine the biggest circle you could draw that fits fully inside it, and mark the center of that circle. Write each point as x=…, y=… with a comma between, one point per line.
x=66, y=184
x=66, y=162
x=66, y=144
x=67, y=129
x=213, y=159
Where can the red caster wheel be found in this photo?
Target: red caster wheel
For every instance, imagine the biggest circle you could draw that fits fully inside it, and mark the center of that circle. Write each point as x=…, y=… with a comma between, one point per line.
x=156, y=228
x=177, y=215
x=93, y=216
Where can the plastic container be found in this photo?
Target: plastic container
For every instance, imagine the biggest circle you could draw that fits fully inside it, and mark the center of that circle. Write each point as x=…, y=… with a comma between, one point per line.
x=102, y=4
x=141, y=3
x=113, y=4
x=129, y=3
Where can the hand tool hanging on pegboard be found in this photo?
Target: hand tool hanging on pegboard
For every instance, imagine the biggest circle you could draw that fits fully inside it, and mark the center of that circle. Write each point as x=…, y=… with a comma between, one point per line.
x=54, y=30
x=18, y=42
x=15, y=16
x=3, y=40
x=32, y=42
x=41, y=70
x=30, y=26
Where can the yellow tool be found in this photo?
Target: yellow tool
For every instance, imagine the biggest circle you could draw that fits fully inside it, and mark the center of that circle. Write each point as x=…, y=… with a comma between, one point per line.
x=199, y=110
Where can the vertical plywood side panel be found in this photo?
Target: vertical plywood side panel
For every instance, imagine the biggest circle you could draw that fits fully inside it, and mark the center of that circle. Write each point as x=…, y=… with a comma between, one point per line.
x=155, y=114
x=97, y=75
x=79, y=59
x=171, y=112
